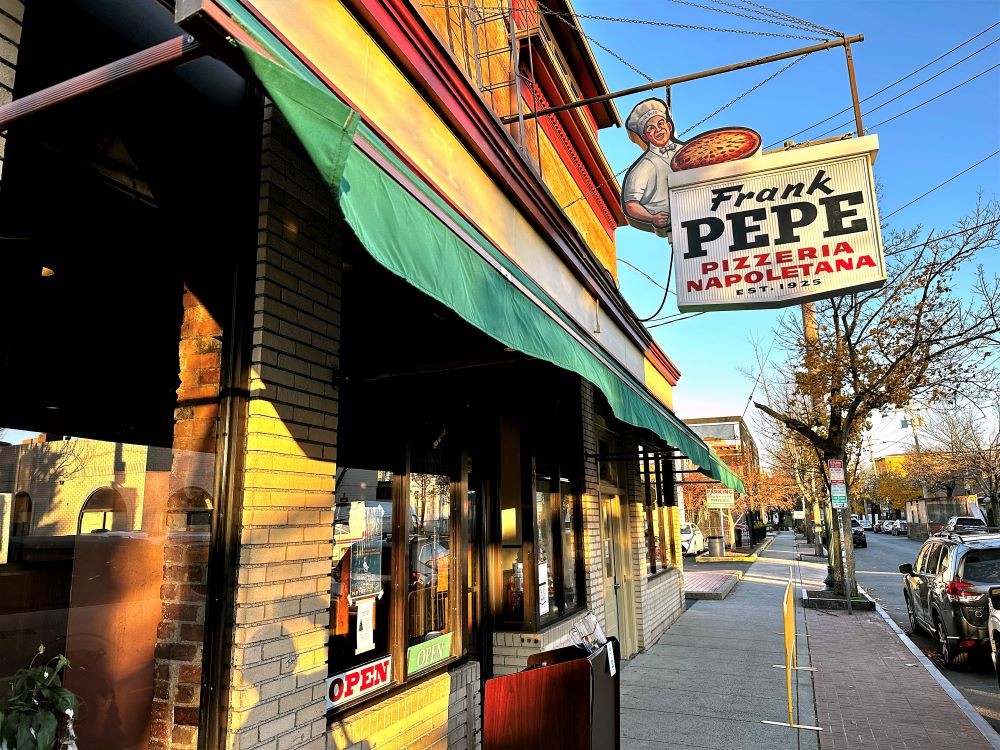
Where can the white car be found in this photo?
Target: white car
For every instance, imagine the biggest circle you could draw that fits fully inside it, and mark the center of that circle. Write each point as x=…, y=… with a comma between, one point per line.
x=692, y=539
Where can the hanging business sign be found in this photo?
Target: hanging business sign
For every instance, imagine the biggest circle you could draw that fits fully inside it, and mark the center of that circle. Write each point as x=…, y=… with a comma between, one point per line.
x=777, y=229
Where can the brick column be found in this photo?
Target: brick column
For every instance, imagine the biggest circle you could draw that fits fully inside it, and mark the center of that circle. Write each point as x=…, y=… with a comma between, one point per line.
x=181, y=633
x=279, y=665
x=11, y=18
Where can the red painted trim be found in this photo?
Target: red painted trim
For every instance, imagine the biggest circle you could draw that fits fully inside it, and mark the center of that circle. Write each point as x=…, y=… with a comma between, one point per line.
x=598, y=178
x=418, y=51
x=662, y=363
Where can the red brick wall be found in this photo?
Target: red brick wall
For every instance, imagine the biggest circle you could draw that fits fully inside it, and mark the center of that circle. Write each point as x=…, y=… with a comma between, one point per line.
x=180, y=637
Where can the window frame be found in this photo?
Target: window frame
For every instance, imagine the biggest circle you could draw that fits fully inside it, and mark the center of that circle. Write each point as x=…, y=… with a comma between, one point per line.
x=399, y=615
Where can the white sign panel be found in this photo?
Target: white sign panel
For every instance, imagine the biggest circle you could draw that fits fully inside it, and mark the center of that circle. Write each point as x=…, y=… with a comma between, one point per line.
x=836, y=469
x=358, y=682
x=777, y=229
x=719, y=498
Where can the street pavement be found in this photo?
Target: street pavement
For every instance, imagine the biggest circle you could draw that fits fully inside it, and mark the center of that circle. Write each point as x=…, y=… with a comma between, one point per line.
x=878, y=573
x=709, y=681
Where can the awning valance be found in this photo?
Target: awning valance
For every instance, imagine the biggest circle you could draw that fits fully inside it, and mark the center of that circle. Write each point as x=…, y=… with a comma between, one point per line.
x=408, y=229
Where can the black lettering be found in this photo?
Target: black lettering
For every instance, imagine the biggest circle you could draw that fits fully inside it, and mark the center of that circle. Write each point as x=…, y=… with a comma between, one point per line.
x=835, y=214
x=795, y=190
x=742, y=230
x=695, y=239
x=787, y=225
x=819, y=183
x=719, y=195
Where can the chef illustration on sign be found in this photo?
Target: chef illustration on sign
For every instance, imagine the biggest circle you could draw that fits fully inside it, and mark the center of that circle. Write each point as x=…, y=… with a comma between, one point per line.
x=645, y=191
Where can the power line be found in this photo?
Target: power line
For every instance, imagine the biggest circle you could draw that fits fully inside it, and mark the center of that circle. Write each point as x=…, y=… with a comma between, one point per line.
x=676, y=320
x=946, y=236
x=924, y=195
x=894, y=83
x=933, y=98
x=873, y=109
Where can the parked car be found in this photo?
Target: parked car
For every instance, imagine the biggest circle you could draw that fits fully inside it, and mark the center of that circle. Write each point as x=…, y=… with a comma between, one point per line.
x=946, y=591
x=880, y=525
x=692, y=539
x=858, y=533
x=866, y=524
x=962, y=523
x=994, y=627
x=898, y=527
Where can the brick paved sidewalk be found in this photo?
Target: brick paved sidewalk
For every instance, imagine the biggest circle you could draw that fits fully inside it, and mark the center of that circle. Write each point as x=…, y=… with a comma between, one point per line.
x=709, y=584
x=872, y=692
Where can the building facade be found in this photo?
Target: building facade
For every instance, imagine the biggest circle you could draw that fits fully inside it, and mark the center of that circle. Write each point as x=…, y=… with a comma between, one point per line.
x=321, y=403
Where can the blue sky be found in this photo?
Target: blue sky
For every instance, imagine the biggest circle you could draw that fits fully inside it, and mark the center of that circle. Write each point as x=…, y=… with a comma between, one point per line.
x=918, y=150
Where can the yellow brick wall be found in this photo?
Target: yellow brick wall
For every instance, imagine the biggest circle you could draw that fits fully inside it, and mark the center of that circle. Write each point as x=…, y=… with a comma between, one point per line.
x=279, y=661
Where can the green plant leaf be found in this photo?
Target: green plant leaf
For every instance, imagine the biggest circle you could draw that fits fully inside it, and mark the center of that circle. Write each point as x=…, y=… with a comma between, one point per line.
x=25, y=740
x=47, y=724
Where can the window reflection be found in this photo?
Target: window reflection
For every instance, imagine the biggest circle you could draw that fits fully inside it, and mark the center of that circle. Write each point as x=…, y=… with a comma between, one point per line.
x=429, y=556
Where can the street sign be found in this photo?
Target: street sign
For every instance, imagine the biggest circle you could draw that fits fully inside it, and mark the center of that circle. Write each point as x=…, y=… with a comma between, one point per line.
x=720, y=498
x=798, y=515
x=838, y=495
x=836, y=469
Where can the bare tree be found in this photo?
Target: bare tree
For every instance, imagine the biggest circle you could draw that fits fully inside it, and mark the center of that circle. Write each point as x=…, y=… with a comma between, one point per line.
x=914, y=338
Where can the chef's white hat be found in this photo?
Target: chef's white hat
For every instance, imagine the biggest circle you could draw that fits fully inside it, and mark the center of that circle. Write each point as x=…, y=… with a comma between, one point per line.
x=642, y=112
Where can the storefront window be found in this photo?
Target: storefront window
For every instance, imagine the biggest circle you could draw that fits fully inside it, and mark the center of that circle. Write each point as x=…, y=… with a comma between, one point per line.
x=428, y=598
x=361, y=594
x=556, y=547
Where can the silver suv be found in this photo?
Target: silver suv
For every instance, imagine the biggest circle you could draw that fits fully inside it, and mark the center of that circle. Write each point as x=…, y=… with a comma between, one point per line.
x=946, y=591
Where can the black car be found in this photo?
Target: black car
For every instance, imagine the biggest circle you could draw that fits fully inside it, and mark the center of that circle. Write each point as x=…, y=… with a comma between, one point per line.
x=946, y=591
x=858, y=533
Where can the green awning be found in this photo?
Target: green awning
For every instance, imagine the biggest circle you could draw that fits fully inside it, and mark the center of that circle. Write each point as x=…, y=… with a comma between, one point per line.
x=481, y=285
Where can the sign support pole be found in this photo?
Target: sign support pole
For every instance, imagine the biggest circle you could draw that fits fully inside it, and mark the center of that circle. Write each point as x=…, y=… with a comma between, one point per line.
x=722, y=531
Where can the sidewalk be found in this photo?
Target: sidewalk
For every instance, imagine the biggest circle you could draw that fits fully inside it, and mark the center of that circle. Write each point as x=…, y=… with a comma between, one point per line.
x=709, y=681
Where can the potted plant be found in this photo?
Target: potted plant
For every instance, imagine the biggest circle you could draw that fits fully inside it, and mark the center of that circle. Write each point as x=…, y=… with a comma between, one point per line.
x=36, y=706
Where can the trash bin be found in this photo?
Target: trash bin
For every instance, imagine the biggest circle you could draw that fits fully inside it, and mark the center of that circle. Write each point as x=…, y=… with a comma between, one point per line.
x=715, y=547
x=739, y=536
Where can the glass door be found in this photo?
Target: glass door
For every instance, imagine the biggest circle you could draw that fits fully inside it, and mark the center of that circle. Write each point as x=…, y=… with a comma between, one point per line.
x=611, y=522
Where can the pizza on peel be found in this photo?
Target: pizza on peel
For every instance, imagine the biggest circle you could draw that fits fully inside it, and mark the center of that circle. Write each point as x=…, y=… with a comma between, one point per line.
x=715, y=147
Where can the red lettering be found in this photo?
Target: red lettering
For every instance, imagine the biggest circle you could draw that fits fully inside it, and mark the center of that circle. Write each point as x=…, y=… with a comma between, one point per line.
x=842, y=247
x=773, y=274
x=806, y=267
x=742, y=261
x=336, y=689
x=807, y=252
x=709, y=267
x=694, y=286
x=823, y=267
x=367, y=678
x=352, y=680
x=754, y=277
x=783, y=256
x=762, y=260
x=713, y=283
x=790, y=272
x=866, y=261
x=845, y=264
x=382, y=670
x=732, y=278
